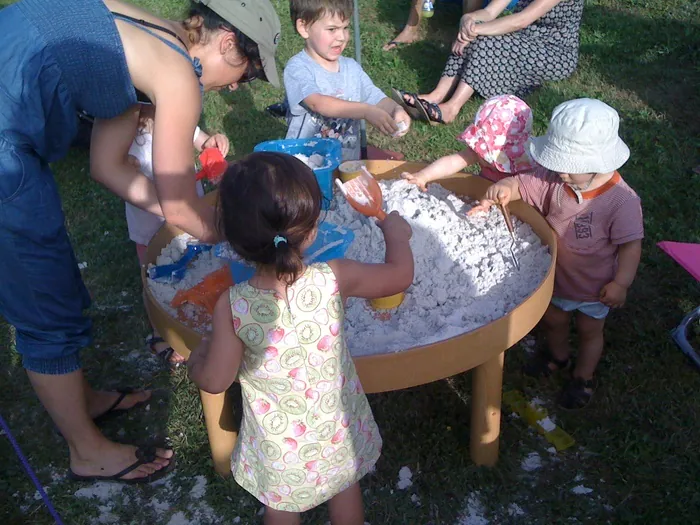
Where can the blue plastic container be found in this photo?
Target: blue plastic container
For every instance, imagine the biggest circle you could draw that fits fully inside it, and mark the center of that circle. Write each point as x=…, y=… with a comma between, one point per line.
x=331, y=243
x=328, y=148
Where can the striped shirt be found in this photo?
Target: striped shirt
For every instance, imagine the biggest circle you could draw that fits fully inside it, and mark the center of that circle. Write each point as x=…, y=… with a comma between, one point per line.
x=589, y=232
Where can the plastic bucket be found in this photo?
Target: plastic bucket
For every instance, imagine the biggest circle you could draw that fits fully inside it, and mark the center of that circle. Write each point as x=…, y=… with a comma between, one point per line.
x=330, y=149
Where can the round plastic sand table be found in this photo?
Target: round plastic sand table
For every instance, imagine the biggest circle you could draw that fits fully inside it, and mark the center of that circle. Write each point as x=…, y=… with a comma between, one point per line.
x=481, y=350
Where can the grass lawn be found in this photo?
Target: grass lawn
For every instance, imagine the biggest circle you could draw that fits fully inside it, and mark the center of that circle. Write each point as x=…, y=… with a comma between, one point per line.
x=637, y=445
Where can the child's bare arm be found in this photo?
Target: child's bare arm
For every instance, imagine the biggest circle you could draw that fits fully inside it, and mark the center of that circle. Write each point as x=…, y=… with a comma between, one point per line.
x=388, y=105
x=614, y=293
x=628, y=257
x=218, y=141
x=503, y=192
x=337, y=108
x=199, y=141
x=213, y=365
x=441, y=168
x=111, y=165
x=398, y=114
x=356, y=279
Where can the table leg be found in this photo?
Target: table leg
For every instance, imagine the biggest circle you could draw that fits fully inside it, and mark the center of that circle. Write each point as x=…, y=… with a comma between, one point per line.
x=221, y=429
x=487, y=384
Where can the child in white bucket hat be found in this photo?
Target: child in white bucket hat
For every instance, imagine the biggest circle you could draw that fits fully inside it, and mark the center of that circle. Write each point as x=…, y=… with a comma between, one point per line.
x=598, y=221
x=497, y=141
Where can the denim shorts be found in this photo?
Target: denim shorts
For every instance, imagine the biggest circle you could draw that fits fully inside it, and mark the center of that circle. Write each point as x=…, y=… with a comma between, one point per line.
x=596, y=310
x=41, y=290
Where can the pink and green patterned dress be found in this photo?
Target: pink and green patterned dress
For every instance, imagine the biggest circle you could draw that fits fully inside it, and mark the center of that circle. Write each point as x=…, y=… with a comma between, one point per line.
x=308, y=432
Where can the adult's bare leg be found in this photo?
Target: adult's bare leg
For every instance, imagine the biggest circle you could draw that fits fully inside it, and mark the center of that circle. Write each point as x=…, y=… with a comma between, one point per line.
x=444, y=88
x=409, y=33
x=451, y=108
x=91, y=454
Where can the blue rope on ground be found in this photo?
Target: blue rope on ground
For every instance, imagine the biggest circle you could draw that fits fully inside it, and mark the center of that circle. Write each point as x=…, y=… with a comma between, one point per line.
x=29, y=470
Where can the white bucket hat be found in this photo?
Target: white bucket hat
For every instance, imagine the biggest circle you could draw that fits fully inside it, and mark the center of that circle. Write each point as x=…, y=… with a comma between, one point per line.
x=581, y=138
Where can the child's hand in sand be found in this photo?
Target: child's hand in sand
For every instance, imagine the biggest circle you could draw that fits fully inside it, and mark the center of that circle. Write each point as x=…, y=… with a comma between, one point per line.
x=218, y=141
x=613, y=295
x=496, y=194
x=419, y=179
x=395, y=227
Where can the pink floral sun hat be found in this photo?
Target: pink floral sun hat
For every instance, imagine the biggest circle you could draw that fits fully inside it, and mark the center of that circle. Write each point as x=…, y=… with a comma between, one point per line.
x=501, y=133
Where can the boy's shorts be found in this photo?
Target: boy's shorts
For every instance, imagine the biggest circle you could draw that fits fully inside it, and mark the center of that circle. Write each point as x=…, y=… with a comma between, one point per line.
x=596, y=310
x=41, y=290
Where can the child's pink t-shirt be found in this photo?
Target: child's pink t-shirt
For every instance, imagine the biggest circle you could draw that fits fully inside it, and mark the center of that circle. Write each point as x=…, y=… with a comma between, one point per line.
x=588, y=233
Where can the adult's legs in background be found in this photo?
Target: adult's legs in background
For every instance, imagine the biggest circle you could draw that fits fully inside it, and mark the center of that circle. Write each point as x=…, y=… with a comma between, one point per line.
x=409, y=33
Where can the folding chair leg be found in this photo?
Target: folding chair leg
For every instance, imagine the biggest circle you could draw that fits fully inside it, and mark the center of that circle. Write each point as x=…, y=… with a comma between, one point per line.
x=680, y=336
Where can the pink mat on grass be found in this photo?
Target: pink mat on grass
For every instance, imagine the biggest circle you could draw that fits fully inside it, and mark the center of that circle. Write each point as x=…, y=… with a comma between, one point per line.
x=685, y=254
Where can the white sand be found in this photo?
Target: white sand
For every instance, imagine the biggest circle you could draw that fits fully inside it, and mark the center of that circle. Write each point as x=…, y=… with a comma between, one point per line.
x=464, y=277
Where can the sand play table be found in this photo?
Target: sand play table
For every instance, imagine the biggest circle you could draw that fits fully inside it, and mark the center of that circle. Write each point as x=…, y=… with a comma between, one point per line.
x=482, y=349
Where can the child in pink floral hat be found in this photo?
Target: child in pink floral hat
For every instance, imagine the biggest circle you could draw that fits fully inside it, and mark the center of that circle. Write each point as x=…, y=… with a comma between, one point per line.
x=497, y=142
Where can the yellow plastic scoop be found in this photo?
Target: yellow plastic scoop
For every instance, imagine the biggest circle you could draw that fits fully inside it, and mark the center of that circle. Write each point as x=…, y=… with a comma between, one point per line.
x=364, y=194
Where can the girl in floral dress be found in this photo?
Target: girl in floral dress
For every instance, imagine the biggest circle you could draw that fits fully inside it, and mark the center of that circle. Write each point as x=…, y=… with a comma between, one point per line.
x=497, y=142
x=308, y=434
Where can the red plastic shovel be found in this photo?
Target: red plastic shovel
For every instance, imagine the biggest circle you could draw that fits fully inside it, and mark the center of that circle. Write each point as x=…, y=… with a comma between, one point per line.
x=213, y=165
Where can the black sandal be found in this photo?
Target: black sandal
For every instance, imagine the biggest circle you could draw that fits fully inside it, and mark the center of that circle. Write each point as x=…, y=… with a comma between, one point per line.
x=577, y=393
x=396, y=45
x=112, y=410
x=399, y=96
x=144, y=455
x=430, y=112
x=541, y=365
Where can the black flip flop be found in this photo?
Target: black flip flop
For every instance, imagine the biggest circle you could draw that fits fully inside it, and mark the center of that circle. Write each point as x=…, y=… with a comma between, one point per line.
x=112, y=410
x=144, y=455
x=396, y=45
x=397, y=95
x=426, y=108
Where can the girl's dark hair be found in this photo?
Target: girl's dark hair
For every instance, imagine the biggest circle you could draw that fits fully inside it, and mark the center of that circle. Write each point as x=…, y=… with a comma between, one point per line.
x=263, y=196
x=211, y=22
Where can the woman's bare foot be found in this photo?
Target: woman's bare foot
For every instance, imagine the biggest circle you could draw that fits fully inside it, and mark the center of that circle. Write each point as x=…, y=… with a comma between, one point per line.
x=99, y=401
x=110, y=458
x=408, y=35
x=449, y=112
x=435, y=98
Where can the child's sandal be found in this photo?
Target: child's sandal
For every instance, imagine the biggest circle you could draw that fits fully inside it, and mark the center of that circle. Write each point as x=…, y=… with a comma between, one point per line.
x=577, y=393
x=166, y=354
x=544, y=364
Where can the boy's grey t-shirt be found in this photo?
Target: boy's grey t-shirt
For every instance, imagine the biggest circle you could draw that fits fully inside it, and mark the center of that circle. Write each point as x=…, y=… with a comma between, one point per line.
x=304, y=77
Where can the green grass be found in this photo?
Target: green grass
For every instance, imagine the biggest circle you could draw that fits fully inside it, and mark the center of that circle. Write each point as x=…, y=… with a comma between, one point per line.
x=637, y=445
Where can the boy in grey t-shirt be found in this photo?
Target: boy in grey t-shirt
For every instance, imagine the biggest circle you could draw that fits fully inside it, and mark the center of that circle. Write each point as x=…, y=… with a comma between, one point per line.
x=328, y=93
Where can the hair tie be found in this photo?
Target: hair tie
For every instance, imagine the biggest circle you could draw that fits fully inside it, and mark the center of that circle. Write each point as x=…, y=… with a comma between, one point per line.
x=278, y=239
